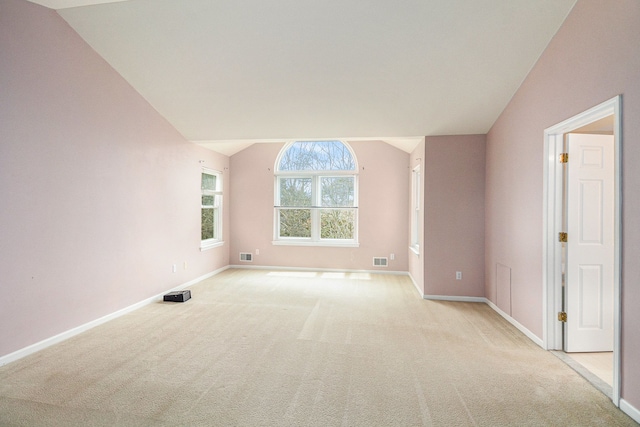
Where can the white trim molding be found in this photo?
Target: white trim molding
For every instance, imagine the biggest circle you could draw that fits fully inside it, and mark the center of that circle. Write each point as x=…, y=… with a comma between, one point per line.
x=317, y=243
x=630, y=410
x=320, y=270
x=552, y=330
x=416, y=285
x=454, y=298
x=48, y=342
x=495, y=308
x=533, y=337
x=206, y=247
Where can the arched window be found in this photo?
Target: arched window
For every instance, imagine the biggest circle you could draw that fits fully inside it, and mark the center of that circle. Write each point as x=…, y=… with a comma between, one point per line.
x=316, y=194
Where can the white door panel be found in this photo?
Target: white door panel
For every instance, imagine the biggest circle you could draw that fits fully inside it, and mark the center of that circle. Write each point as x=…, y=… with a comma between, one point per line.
x=590, y=245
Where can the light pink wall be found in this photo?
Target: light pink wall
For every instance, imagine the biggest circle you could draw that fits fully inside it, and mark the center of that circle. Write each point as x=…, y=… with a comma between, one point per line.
x=99, y=194
x=416, y=261
x=383, y=211
x=594, y=56
x=454, y=171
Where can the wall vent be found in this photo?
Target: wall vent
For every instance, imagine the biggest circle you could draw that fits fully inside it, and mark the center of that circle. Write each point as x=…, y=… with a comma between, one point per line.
x=246, y=256
x=380, y=262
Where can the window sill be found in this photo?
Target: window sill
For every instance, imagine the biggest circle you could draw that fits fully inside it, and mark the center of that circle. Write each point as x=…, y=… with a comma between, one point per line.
x=211, y=245
x=330, y=244
x=415, y=249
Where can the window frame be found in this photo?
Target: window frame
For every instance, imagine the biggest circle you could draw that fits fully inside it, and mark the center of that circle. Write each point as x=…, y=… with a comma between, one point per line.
x=316, y=207
x=217, y=193
x=416, y=185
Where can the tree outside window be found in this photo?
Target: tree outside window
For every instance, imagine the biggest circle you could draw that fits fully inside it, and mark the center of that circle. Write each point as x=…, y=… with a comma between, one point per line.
x=210, y=208
x=316, y=193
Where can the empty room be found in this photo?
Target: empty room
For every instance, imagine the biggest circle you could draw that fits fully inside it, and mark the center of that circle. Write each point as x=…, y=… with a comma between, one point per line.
x=305, y=213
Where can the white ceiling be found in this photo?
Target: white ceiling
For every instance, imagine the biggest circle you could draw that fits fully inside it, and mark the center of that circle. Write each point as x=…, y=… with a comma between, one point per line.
x=229, y=73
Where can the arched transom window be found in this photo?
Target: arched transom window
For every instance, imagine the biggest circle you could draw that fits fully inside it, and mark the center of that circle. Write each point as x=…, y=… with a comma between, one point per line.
x=316, y=194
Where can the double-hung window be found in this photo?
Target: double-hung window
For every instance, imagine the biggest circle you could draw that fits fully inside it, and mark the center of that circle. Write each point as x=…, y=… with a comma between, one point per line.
x=211, y=209
x=415, y=209
x=316, y=191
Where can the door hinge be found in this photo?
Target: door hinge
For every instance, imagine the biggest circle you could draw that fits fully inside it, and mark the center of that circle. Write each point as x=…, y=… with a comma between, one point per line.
x=562, y=237
x=562, y=316
x=564, y=158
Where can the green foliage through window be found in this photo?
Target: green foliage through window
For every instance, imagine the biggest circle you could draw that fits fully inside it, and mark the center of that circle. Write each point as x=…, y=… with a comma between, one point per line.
x=208, y=221
x=295, y=223
x=211, y=200
x=337, y=191
x=337, y=224
x=316, y=191
x=295, y=192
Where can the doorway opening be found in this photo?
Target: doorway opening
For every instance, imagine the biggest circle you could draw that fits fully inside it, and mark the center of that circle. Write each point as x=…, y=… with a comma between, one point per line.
x=560, y=262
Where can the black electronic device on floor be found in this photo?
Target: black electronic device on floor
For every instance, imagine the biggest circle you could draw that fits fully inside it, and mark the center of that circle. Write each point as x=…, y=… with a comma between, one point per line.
x=178, y=296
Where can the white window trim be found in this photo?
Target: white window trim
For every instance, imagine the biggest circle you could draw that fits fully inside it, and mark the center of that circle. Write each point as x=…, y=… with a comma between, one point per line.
x=315, y=175
x=214, y=242
x=416, y=177
x=301, y=241
x=205, y=245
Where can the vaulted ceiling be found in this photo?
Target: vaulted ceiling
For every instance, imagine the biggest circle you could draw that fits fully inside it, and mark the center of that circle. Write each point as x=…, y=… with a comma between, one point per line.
x=228, y=73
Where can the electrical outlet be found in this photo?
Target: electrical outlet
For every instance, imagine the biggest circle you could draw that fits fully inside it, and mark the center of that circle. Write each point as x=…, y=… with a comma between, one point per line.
x=392, y=257
x=458, y=275
x=257, y=251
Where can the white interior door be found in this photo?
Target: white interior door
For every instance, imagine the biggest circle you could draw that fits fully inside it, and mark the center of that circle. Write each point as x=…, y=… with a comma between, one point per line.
x=590, y=244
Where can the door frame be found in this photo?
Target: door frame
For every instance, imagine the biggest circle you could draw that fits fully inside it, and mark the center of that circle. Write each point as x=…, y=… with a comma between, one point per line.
x=552, y=225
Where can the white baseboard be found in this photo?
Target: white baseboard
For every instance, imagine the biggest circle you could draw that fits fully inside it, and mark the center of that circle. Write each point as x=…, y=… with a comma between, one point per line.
x=509, y=319
x=625, y=406
x=416, y=285
x=515, y=323
x=454, y=298
x=19, y=354
x=328, y=270
x=630, y=410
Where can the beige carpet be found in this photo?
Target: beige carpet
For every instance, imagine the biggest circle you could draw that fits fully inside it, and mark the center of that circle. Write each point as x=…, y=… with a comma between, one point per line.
x=259, y=348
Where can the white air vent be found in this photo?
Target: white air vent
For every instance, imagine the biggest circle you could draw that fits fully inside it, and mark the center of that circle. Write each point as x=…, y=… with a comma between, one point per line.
x=246, y=256
x=380, y=262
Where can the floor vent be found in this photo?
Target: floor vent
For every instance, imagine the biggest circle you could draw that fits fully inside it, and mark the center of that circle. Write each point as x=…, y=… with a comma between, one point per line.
x=380, y=262
x=246, y=257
